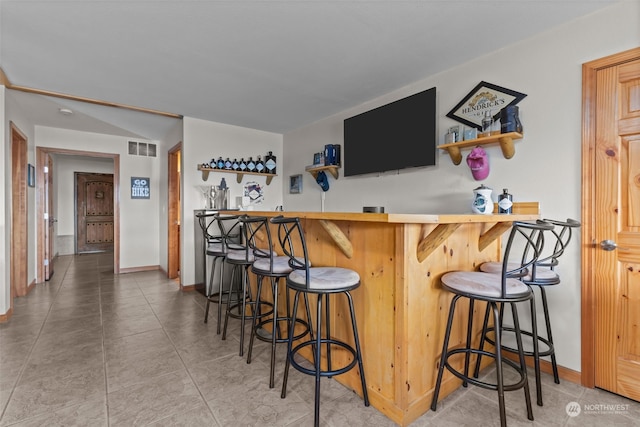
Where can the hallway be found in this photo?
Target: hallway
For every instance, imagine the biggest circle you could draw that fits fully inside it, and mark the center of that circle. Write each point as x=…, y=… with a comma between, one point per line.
x=92, y=349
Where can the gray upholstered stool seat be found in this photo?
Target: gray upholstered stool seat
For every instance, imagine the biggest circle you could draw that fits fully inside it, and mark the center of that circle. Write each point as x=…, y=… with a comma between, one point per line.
x=480, y=284
x=326, y=279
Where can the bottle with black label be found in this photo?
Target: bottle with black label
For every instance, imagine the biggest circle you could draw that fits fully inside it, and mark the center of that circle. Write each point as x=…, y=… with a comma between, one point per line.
x=251, y=165
x=505, y=202
x=270, y=163
x=227, y=164
x=235, y=165
x=260, y=165
x=242, y=166
x=220, y=163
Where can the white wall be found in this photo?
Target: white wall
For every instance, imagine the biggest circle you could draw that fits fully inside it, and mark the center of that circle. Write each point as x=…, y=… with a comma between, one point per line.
x=204, y=140
x=546, y=165
x=139, y=219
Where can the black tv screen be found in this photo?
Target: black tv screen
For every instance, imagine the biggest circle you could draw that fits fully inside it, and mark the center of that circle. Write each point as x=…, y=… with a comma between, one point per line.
x=395, y=136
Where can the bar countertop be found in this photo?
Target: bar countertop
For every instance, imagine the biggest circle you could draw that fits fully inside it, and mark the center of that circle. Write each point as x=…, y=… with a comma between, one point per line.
x=524, y=211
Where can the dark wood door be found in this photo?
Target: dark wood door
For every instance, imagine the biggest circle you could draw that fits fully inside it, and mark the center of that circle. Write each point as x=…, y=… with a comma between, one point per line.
x=94, y=207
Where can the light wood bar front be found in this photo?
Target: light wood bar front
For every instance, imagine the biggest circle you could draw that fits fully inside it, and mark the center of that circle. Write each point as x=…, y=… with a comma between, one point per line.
x=401, y=308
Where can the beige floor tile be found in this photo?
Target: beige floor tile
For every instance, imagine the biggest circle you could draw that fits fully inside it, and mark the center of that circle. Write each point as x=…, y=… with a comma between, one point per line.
x=92, y=413
x=153, y=400
x=54, y=391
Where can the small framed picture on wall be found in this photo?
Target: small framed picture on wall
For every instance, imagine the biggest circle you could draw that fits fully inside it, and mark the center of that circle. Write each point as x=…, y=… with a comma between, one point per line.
x=31, y=175
x=295, y=184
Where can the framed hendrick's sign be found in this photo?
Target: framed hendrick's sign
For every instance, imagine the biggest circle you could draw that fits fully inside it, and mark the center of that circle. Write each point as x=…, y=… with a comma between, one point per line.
x=484, y=97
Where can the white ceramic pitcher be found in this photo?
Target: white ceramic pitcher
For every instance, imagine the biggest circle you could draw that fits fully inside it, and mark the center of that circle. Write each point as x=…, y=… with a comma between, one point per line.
x=482, y=203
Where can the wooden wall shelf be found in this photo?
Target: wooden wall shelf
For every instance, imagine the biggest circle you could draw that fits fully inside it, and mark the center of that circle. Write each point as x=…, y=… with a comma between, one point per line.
x=332, y=169
x=239, y=175
x=504, y=139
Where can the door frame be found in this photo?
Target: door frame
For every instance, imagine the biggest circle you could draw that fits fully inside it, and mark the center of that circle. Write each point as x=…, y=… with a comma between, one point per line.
x=589, y=83
x=174, y=259
x=41, y=154
x=19, y=268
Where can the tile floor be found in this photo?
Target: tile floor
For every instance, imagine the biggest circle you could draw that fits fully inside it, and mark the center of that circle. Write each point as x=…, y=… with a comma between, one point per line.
x=92, y=349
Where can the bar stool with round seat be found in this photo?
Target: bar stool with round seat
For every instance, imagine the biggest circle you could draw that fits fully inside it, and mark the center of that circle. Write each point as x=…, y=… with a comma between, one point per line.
x=494, y=289
x=216, y=230
x=268, y=264
x=241, y=256
x=540, y=275
x=323, y=282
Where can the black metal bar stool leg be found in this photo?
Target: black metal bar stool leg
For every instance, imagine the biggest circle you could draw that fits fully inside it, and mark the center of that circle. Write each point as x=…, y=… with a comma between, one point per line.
x=318, y=361
x=545, y=306
x=365, y=394
x=521, y=358
x=469, y=330
x=536, y=351
x=499, y=373
x=443, y=355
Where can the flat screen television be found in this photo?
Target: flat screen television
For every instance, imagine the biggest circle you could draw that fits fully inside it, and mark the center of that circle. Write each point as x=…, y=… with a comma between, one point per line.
x=398, y=135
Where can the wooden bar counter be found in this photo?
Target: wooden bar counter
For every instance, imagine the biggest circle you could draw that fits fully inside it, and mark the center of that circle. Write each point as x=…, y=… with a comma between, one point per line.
x=400, y=305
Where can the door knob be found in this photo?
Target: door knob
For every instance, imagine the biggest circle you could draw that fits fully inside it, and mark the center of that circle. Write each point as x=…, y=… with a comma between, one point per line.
x=610, y=245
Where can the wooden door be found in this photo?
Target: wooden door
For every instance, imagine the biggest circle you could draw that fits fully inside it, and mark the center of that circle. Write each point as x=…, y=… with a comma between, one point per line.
x=173, y=240
x=49, y=220
x=612, y=245
x=19, y=213
x=94, y=210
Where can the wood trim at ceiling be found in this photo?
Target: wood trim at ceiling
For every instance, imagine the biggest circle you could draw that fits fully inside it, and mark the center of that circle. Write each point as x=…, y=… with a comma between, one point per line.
x=4, y=80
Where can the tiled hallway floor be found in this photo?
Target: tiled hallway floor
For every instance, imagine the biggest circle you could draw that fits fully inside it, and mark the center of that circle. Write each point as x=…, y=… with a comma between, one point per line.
x=92, y=349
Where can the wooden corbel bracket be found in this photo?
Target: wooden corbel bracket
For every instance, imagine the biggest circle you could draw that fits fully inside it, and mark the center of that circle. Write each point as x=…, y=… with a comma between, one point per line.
x=339, y=238
x=434, y=239
x=492, y=234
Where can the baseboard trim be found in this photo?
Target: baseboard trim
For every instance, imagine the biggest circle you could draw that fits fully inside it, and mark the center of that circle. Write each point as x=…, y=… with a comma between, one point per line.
x=188, y=288
x=31, y=286
x=5, y=317
x=139, y=269
x=546, y=367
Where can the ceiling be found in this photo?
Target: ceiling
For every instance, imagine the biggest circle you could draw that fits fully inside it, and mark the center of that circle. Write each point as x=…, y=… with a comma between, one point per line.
x=266, y=64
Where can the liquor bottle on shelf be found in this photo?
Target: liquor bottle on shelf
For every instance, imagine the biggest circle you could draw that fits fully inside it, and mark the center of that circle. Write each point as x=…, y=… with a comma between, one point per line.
x=242, y=166
x=270, y=163
x=487, y=122
x=505, y=202
x=227, y=164
x=220, y=163
x=260, y=165
x=251, y=165
x=235, y=165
